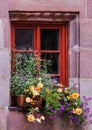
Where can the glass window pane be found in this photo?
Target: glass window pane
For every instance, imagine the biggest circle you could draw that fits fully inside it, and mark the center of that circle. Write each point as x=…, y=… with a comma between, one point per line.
x=49, y=39
x=24, y=39
x=53, y=68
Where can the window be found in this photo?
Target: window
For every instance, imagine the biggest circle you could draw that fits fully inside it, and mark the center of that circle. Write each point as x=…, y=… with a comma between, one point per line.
x=50, y=40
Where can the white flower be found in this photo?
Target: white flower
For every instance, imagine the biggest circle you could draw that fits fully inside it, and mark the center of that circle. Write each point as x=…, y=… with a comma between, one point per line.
x=37, y=108
x=40, y=79
x=42, y=117
x=40, y=85
x=76, y=103
x=27, y=82
x=27, y=99
x=76, y=86
x=38, y=120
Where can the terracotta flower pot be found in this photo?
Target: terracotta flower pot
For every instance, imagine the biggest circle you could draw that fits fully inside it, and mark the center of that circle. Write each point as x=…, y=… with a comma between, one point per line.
x=13, y=101
x=20, y=100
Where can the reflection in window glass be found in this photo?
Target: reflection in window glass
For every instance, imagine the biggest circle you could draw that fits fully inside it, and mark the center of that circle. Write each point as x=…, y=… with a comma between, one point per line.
x=53, y=68
x=24, y=39
x=49, y=39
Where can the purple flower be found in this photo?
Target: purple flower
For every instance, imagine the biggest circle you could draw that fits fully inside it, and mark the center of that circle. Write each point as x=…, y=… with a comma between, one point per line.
x=87, y=110
x=67, y=104
x=52, y=116
x=73, y=118
x=54, y=111
x=71, y=112
x=62, y=108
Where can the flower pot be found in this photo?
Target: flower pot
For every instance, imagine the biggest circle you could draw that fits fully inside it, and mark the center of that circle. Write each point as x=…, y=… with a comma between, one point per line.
x=13, y=101
x=20, y=100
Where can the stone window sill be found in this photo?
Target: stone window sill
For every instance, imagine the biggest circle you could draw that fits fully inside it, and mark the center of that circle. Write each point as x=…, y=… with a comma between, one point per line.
x=14, y=108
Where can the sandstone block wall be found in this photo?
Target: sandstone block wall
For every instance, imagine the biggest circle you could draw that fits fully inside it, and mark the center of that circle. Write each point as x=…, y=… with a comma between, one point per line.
x=80, y=44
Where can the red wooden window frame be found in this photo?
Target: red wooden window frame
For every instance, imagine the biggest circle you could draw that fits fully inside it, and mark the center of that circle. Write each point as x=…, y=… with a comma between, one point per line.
x=63, y=51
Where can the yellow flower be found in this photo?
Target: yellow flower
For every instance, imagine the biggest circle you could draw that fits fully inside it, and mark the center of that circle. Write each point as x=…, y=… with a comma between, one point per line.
x=59, y=90
x=31, y=88
x=66, y=90
x=78, y=111
x=40, y=85
x=35, y=93
x=26, y=90
x=27, y=99
x=68, y=97
x=75, y=95
x=30, y=118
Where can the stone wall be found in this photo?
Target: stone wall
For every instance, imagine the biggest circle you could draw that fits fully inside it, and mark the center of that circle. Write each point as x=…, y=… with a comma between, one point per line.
x=80, y=46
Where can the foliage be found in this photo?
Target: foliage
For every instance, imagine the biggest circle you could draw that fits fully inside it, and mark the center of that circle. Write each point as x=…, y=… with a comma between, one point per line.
x=43, y=93
x=73, y=107
x=26, y=70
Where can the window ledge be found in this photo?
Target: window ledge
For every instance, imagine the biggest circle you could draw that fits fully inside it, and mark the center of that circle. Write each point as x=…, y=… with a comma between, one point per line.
x=13, y=108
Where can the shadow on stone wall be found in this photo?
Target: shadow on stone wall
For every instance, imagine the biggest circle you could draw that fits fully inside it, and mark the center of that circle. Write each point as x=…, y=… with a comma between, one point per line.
x=17, y=121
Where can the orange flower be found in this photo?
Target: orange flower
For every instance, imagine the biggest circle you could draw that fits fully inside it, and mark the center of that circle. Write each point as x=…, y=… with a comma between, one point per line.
x=38, y=89
x=75, y=95
x=71, y=96
x=31, y=101
x=78, y=111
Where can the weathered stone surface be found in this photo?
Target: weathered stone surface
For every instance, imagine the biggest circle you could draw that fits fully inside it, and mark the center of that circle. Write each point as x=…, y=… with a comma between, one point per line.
x=86, y=34
x=73, y=64
x=3, y=119
x=73, y=33
x=86, y=64
x=4, y=63
x=58, y=5
x=89, y=9
x=1, y=34
x=4, y=92
x=7, y=32
x=17, y=121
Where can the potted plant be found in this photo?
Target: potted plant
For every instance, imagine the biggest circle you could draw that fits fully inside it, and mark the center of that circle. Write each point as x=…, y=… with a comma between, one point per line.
x=18, y=80
x=27, y=68
x=30, y=78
